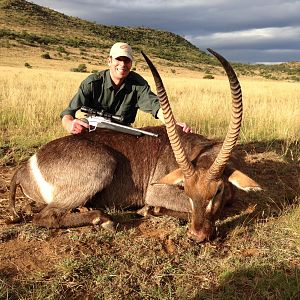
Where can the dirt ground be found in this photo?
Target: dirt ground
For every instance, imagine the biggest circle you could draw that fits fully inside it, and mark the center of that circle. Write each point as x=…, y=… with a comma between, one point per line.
x=25, y=249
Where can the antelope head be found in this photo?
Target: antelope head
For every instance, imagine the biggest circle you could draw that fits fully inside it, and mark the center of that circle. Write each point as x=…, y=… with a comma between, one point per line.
x=203, y=181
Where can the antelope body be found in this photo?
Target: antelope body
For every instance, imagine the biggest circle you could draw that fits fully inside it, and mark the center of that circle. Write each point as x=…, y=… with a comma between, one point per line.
x=184, y=173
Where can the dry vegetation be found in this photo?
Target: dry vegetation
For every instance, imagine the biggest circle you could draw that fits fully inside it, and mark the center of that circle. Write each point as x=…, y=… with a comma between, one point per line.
x=31, y=100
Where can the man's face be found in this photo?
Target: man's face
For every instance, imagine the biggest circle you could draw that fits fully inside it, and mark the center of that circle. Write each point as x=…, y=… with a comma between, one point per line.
x=119, y=67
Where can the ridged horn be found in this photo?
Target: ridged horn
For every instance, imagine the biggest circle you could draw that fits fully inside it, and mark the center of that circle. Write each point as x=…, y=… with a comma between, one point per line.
x=218, y=166
x=179, y=153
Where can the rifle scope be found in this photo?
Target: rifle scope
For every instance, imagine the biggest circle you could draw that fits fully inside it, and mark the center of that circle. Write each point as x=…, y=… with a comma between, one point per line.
x=102, y=113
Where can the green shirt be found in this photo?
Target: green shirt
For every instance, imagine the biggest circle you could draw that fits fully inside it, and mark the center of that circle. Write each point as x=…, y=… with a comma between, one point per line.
x=97, y=92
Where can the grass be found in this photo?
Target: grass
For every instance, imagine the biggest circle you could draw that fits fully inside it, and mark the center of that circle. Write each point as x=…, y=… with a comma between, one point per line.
x=30, y=112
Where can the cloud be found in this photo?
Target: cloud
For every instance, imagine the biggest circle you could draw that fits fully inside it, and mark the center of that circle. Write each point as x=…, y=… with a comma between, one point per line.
x=252, y=38
x=271, y=44
x=255, y=27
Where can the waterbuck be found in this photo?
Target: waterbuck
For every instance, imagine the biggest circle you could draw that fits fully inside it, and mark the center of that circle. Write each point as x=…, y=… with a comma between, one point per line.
x=177, y=172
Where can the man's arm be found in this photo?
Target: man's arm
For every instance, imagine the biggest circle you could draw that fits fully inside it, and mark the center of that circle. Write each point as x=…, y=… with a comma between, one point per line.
x=149, y=103
x=160, y=116
x=184, y=126
x=73, y=125
x=70, y=121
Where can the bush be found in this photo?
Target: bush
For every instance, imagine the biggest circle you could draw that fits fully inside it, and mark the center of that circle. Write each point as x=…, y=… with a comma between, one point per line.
x=46, y=55
x=208, y=76
x=80, y=68
x=61, y=49
x=27, y=65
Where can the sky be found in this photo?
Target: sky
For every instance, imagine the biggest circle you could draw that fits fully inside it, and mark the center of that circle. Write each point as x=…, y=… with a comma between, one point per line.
x=243, y=31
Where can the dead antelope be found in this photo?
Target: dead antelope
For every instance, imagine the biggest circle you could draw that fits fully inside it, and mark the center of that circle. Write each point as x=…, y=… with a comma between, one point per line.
x=184, y=173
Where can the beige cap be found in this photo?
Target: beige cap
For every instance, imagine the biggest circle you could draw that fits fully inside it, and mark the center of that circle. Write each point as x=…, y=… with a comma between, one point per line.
x=120, y=49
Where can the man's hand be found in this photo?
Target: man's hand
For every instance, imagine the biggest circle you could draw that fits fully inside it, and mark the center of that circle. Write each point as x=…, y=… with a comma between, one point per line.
x=185, y=127
x=78, y=126
x=72, y=125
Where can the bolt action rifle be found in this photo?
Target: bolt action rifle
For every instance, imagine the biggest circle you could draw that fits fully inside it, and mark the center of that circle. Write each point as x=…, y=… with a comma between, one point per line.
x=103, y=119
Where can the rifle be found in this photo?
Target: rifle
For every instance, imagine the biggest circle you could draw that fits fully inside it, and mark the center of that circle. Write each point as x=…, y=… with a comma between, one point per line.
x=103, y=119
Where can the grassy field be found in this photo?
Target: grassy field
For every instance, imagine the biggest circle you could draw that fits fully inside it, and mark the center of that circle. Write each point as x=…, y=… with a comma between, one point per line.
x=31, y=101
x=256, y=254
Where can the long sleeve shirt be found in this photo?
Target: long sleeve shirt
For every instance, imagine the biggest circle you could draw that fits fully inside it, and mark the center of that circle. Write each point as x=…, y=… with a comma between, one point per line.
x=97, y=92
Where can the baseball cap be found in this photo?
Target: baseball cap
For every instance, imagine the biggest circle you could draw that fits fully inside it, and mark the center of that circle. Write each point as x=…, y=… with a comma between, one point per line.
x=120, y=49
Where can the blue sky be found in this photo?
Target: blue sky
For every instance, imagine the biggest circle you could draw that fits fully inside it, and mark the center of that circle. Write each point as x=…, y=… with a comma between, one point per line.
x=242, y=31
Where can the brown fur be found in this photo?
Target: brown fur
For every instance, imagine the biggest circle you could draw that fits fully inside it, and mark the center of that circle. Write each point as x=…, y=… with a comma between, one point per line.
x=111, y=169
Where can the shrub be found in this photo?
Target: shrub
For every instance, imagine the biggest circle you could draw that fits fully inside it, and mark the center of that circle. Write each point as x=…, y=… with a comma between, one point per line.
x=208, y=76
x=46, y=55
x=27, y=65
x=80, y=68
x=61, y=49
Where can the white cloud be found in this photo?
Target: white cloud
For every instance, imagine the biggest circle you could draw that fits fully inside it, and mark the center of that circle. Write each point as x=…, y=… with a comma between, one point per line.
x=255, y=37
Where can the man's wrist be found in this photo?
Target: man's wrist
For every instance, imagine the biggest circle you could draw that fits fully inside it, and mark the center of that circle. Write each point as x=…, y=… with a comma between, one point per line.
x=160, y=116
x=66, y=121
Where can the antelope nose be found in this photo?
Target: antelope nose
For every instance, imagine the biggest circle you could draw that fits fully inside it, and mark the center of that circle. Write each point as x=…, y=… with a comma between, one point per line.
x=198, y=236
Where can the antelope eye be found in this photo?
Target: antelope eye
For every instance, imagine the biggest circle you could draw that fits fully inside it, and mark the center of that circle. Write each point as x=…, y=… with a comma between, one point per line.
x=219, y=190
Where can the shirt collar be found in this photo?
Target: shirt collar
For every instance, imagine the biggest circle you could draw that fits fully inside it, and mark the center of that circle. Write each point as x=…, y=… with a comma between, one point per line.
x=127, y=84
x=107, y=80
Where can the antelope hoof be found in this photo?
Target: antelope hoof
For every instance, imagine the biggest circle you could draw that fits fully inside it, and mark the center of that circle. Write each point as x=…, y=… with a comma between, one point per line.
x=157, y=210
x=13, y=220
x=109, y=225
x=144, y=211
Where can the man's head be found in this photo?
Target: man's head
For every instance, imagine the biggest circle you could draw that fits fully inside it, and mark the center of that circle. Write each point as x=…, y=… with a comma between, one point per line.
x=121, y=49
x=120, y=61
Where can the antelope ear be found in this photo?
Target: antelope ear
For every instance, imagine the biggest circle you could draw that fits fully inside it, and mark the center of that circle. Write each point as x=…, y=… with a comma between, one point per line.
x=174, y=178
x=243, y=182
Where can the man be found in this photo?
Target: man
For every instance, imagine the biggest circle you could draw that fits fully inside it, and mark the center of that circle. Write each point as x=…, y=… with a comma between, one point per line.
x=118, y=91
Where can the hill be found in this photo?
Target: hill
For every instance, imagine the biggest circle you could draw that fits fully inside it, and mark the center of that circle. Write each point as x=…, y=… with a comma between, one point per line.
x=24, y=24
x=32, y=32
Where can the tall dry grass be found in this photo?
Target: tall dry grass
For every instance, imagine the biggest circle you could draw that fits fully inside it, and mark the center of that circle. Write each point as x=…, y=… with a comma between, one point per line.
x=31, y=101
x=271, y=108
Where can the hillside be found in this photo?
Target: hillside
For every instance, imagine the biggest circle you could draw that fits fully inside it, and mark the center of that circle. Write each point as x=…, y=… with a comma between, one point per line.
x=27, y=24
x=31, y=31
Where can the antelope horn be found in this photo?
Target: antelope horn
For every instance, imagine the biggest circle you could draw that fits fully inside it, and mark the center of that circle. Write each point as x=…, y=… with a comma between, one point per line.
x=179, y=153
x=218, y=166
